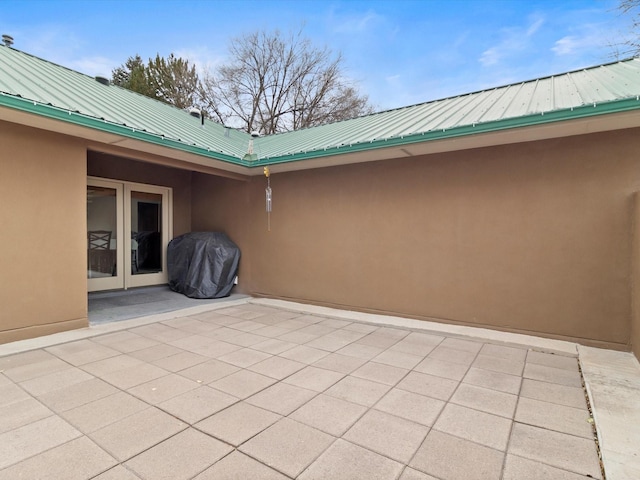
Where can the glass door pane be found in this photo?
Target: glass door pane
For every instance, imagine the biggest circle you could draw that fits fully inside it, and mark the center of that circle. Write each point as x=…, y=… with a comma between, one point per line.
x=104, y=231
x=146, y=233
x=147, y=225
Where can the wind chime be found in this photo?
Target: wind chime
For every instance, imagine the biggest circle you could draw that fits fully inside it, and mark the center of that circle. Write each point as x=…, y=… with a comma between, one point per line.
x=268, y=198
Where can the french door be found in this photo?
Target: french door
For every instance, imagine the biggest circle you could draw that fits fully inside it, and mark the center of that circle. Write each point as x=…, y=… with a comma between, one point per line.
x=128, y=230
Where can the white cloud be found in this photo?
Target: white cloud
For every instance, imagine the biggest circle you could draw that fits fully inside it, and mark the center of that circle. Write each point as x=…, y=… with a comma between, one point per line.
x=460, y=39
x=491, y=56
x=93, y=66
x=538, y=21
x=393, y=79
x=566, y=45
x=201, y=57
x=587, y=37
x=58, y=44
x=514, y=40
x=368, y=19
x=358, y=23
x=46, y=42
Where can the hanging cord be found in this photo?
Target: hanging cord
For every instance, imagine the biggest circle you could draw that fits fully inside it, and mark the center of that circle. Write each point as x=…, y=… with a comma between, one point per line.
x=268, y=198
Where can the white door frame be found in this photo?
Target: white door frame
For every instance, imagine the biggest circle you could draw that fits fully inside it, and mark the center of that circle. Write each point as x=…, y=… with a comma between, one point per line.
x=124, y=277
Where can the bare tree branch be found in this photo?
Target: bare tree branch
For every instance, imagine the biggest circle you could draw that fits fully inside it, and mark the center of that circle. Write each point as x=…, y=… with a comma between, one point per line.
x=274, y=84
x=631, y=45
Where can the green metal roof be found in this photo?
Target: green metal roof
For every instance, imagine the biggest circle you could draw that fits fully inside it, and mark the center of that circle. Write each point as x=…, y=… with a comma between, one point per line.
x=34, y=85
x=609, y=88
x=30, y=84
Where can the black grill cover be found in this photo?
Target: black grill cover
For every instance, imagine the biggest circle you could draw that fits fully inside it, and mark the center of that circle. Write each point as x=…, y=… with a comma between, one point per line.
x=202, y=264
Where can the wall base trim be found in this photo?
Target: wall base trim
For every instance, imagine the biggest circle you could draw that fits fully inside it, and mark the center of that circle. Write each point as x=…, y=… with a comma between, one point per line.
x=561, y=343
x=33, y=331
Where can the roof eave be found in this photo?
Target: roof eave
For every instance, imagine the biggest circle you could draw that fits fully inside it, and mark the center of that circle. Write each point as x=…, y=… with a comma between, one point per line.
x=294, y=161
x=76, y=118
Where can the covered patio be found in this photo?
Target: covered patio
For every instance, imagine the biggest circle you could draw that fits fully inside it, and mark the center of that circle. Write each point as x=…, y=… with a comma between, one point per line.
x=118, y=305
x=251, y=388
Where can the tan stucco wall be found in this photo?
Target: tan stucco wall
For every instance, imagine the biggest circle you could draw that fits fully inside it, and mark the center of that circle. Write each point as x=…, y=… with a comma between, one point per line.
x=126, y=169
x=532, y=237
x=635, y=279
x=223, y=205
x=43, y=287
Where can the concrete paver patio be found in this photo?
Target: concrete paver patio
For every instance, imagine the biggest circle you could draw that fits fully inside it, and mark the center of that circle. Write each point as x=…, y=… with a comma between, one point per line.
x=253, y=391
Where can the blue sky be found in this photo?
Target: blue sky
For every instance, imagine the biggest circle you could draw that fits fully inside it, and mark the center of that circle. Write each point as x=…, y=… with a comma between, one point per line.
x=399, y=52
